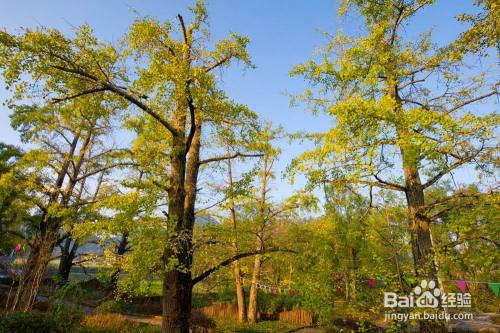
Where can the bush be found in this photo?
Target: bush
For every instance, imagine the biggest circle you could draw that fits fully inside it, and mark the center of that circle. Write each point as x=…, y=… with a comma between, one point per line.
x=67, y=318
x=29, y=322
x=113, y=323
x=58, y=320
x=109, y=306
x=68, y=322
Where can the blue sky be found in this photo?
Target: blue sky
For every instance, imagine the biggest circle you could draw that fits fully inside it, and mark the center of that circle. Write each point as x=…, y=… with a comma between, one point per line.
x=282, y=33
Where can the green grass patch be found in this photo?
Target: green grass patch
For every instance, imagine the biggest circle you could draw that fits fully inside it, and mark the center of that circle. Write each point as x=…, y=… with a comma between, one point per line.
x=150, y=288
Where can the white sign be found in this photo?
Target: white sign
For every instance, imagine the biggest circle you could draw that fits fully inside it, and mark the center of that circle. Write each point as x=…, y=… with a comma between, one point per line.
x=427, y=295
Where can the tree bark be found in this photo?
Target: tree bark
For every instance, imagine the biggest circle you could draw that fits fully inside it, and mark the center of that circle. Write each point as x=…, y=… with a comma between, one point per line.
x=120, y=251
x=252, y=302
x=420, y=232
x=419, y=224
x=68, y=254
x=177, y=294
x=33, y=272
x=177, y=280
x=176, y=284
x=240, y=292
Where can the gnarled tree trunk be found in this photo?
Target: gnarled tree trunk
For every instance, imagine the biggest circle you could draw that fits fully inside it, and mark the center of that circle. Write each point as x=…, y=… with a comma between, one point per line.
x=420, y=232
x=33, y=271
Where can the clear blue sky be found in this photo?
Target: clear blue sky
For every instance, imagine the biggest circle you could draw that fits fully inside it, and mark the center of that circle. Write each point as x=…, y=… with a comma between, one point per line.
x=282, y=33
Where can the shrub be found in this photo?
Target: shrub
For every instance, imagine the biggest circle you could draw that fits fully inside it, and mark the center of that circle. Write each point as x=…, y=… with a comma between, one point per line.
x=113, y=323
x=109, y=306
x=66, y=318
x=107, y=321
x=58, y=320
x=29, y=322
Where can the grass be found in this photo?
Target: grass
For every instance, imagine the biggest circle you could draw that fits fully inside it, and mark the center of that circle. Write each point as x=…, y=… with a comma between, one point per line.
x=114, y=323
x=150, y=288
x=230, y=325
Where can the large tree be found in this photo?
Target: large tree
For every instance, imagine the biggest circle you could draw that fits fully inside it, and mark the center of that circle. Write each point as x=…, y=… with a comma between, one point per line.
x=405, y=113
x=54, y=173
x=166, y=71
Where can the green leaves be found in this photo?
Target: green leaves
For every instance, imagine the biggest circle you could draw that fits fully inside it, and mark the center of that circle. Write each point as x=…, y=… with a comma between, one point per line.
x=376, y=86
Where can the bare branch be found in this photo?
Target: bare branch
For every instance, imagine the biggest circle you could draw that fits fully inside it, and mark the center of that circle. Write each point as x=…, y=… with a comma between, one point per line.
x=211, y=206
x=227, y=262
x=422, y=105
x=105, y=168
x=450, y=168
x=385, y=185
x=218, y=63
x=183, y=27
x=228, y=157
x=192, y=110
x=470, y=101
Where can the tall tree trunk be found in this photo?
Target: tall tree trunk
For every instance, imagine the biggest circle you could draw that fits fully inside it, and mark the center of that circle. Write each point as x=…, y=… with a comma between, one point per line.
x=421, y=242
x=240, y=292
x=419, y=224
x=120, y=251
x=177, y=296
x=252, y=302
x=68, y=254
x=420, y=232
x=353, y=275
x=177, y=282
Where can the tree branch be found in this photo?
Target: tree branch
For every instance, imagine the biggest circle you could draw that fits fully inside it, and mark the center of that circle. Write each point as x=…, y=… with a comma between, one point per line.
x=447, y=170
x=83, y=93
x=192, y=114
x=228, y=157
x=470, y=101
x=183, y=27
x=227, y=262
x=385, y=185
x=458, y=242
x=422, y=105
x=91, y=173
x=217, y=64
x=211, y=206
x=121, y=92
